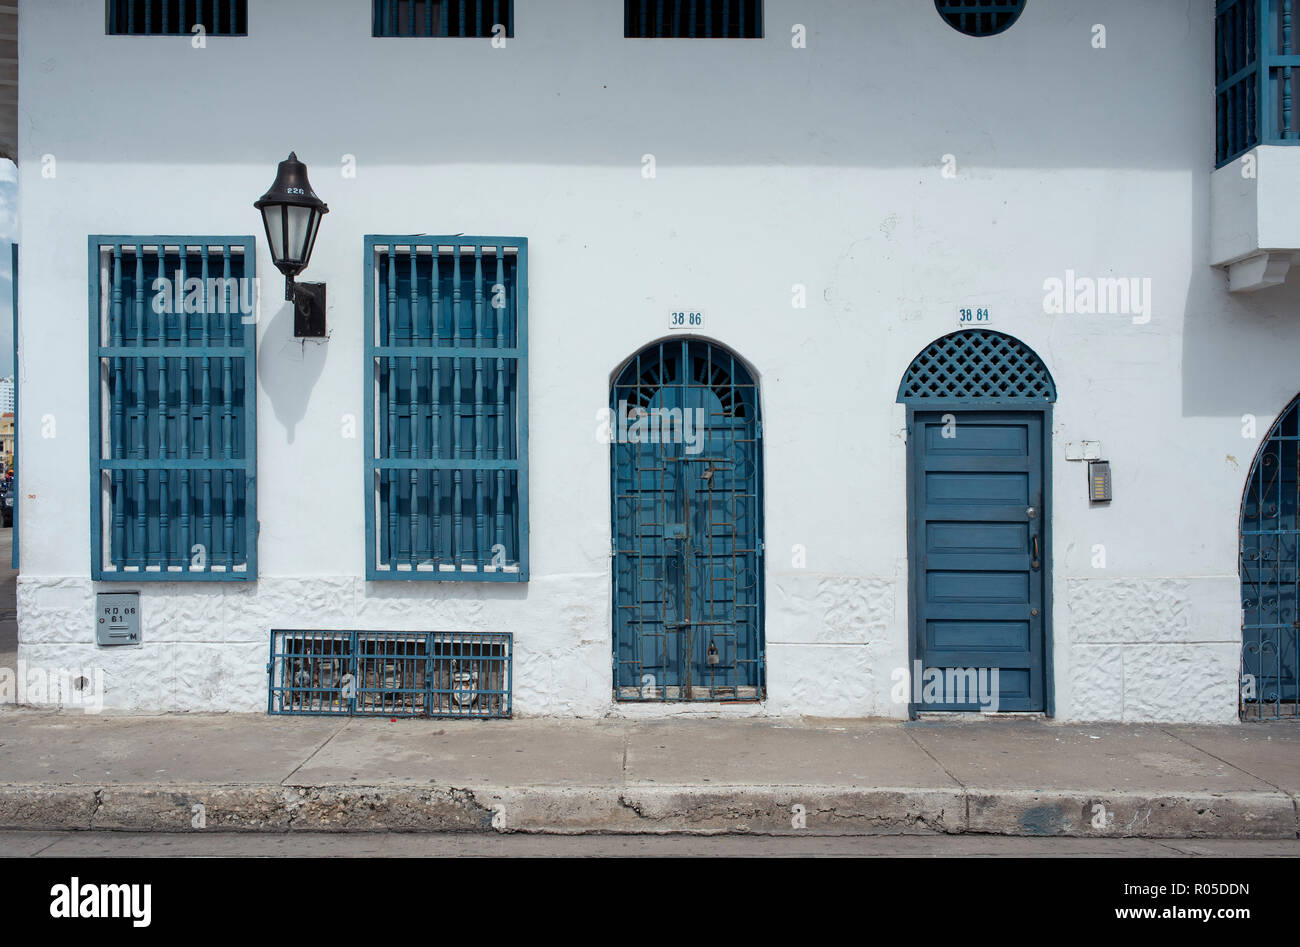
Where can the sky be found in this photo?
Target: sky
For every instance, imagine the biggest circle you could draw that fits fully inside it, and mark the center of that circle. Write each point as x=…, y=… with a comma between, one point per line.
x=8, y=234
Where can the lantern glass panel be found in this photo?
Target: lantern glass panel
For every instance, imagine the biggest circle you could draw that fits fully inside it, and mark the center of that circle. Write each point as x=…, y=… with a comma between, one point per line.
x=300, y=220
x=273, y=217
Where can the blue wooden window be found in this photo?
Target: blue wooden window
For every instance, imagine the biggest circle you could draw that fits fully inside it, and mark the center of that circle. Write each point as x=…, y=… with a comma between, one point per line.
x=444, y=18
x=980, y=17
x=447, y=389
x=1254, y=59
x=693, y=19
x=173, y=433
x=177, y=17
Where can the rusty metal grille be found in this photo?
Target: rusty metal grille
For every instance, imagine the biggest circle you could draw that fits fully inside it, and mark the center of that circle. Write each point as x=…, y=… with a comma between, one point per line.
x=391, y=673
x=1270, y=555
x=687, y=527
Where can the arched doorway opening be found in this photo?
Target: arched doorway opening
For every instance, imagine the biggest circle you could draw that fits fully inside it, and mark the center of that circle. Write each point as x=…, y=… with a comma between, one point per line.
x=979, y=524
x=686, y=484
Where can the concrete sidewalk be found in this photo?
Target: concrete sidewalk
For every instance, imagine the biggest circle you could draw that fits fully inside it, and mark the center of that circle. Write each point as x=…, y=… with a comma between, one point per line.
x=769, y=776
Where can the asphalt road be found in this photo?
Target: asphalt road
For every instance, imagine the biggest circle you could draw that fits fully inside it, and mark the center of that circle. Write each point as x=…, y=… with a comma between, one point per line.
x=128, y=844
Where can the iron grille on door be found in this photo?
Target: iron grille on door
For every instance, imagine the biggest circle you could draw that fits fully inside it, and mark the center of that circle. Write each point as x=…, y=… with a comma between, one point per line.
x=1270, y=575
x=173, y=408
x=443, y=18
x=446, y=369
x=177, y=17
x=686, y=482
x=390, y=673
x=693, y=19
x=976, y=364
x=1255, y=55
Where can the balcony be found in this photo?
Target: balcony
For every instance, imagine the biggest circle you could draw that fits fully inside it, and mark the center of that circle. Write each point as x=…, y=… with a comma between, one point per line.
x=1255, y=191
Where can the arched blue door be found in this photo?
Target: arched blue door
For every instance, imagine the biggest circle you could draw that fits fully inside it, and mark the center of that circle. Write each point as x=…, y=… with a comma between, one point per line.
x=686, y=482
x=1270, y=557
x=979, y=523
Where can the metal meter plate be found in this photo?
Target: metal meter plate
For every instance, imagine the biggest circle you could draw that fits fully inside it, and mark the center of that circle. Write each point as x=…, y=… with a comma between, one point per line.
x=117, y=618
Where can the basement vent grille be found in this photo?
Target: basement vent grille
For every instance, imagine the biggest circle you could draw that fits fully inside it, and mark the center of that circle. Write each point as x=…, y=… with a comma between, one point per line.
x=391, y=674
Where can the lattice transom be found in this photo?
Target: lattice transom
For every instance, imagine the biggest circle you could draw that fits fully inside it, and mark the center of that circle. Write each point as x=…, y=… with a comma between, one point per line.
x=977, y=364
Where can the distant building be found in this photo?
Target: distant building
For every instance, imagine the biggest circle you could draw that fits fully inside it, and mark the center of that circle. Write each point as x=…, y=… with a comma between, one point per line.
x=7, y=436
x=7, y=396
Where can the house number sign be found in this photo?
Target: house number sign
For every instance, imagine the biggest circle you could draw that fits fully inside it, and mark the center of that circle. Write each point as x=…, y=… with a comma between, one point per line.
x=968, y=317
x=686, y=319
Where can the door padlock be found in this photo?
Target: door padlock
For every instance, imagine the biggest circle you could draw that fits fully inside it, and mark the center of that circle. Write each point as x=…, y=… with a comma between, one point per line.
x=713, y=654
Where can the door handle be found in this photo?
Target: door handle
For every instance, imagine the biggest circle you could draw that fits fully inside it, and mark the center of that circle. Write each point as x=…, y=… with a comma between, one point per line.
x=1035, y=563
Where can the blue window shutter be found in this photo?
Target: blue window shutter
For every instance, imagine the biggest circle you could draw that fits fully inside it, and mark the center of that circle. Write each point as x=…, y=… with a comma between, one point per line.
x=446, y=374
x=442, y=18
x=173, y=409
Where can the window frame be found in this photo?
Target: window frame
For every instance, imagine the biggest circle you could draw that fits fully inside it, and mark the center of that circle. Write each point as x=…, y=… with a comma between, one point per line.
x=370, y=489
x=251, y=525
x=109, y=19
x=976, y=11
x=761, y=18
x=376, y=18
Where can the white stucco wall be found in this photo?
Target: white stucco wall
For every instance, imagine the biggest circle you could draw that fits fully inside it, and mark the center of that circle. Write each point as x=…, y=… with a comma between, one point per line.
x=775, y=166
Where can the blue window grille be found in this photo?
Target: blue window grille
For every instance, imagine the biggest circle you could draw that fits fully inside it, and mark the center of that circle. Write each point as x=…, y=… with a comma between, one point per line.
x=391, y=674
x=1270, y=575
x=693, y=19
x=173, y=432
x=1254, y=58
x=447, y=429
x=980, y=17
x=443, y=18
x=977, y=365
x=177, y=17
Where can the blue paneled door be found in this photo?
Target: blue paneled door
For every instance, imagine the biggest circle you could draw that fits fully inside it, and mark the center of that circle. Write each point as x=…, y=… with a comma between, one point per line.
x=686, y=481
x=979, y=565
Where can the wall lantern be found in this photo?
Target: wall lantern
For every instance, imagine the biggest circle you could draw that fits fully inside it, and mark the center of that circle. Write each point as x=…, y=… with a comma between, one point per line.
x=291, y=213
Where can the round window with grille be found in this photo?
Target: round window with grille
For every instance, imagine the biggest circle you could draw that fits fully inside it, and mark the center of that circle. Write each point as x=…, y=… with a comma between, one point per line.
x=980, y=17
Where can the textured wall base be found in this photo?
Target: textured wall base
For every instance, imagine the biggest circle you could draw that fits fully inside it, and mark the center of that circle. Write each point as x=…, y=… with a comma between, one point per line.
x=1146, y=649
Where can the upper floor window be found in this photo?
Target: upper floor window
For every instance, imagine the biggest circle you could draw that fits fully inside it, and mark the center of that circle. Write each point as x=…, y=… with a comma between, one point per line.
x=980, y=17
x=469, y=18
x=693, y=19
x=447, y=408
x=173, y=408
x=177, y=17
x=1254, y=59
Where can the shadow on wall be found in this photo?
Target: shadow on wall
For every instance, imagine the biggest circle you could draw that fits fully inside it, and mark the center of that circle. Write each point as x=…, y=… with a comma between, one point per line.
x=288, y=369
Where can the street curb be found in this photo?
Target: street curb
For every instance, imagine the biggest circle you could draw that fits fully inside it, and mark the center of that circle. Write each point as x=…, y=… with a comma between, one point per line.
x=638, y=809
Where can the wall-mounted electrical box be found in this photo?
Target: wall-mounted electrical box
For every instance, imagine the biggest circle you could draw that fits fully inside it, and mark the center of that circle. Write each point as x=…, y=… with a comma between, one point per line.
x=117, y=619
x=1099, y=481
